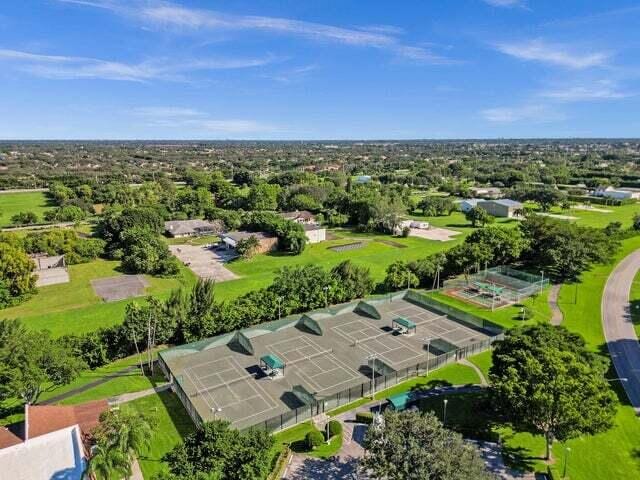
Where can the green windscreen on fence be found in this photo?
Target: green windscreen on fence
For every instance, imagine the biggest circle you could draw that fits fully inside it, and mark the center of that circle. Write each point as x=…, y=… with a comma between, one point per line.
x=308, y=323
x=240, y=340
x=368, y=310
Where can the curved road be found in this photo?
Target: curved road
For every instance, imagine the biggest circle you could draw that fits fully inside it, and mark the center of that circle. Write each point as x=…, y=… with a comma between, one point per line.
x=618, y=327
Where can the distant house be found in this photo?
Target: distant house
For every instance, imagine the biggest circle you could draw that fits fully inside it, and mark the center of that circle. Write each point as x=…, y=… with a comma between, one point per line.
x=52, y=442
x=363, y=179
x=618, y=193
x=315, y=233
x=504, y=208
x=486, y=192
x=266, y=241
x=192, y=228
x=304, y=217
x=468, y=204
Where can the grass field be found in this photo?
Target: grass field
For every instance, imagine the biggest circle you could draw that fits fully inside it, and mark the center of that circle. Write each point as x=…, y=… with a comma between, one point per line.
x=74, y=308
x=12, y=203
x=260, y=270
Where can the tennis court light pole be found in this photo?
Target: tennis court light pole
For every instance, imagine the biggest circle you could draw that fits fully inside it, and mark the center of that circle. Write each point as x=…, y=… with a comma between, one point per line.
x=279, y=307
x=567, y=450
x=427, y=340
x=326, y=296
x=373, y=357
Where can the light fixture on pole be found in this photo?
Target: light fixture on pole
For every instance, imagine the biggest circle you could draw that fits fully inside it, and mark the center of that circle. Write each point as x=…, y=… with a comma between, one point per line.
x=279, y=307
x=326, y=296
x=215, y=411
x=444, y=411
x=372, y=358
x=567, y=450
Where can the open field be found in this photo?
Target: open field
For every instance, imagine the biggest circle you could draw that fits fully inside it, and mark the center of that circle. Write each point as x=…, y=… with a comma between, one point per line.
x=75, y=308
x=12, y=203
x=260, y=270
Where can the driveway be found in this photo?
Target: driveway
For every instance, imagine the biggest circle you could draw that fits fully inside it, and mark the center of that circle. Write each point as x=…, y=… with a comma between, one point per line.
x=618, y=327
x=204, y=261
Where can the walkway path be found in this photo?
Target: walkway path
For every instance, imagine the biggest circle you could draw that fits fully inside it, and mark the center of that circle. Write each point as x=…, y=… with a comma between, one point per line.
x=88, y=386
x=129, y=397
x=556, y=313
x=621, y=337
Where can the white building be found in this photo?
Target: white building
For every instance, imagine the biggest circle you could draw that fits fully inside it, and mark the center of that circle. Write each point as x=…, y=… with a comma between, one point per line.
x=315, y=233
x=469, y=203
x=618, y=193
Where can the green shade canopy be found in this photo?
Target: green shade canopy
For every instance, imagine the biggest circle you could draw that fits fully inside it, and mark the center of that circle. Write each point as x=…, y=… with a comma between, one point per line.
x=400, y=402
x=272, y=361
x=406, y=323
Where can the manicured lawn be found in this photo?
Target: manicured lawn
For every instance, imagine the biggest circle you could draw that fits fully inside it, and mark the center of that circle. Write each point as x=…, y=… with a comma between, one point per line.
x=457, y=221
x=172, y=425
x=12, y=203
x=295, y=438
x=483, y=362
x=259, y=271
x=74, y=307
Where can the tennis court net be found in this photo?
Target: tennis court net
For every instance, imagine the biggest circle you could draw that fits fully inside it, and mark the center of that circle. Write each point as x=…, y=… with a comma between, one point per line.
x=310, y=357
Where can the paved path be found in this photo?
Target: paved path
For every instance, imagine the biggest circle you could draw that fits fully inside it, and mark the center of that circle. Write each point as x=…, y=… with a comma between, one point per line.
x=556, y=313
x=618, y=327
x=129, y=397
x=88, y=386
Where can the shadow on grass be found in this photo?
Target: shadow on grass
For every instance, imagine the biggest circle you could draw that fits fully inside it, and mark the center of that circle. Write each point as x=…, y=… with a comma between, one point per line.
x=518, y=458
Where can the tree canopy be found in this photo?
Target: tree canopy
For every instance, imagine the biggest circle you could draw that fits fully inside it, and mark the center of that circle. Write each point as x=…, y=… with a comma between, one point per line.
x=545, y=381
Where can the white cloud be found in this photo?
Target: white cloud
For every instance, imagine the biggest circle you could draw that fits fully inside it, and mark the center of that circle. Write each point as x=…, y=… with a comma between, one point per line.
x=70, y=67
x=603, y=90
x=556, y=54
x=165, y=14
x=528, y=113
x=197, y=122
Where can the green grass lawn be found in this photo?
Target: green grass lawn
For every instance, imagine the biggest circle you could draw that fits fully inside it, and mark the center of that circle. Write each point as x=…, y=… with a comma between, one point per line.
x=260, y=270
x=295, y=438
x=172, y=425
x=483, y=362
x=74, y=308
x=12, y=203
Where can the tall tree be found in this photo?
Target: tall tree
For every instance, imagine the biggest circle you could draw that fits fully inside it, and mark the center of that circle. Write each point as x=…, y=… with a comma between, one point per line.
x=31, y=362
x=546, y=382
x=409, y=445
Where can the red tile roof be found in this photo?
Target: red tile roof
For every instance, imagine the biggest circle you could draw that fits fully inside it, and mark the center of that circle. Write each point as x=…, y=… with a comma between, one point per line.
x=8, y=438
x=43, y=419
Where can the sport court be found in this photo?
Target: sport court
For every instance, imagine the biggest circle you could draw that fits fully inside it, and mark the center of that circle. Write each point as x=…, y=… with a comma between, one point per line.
x=223, y=385
x=112, y=289
x=268, y=371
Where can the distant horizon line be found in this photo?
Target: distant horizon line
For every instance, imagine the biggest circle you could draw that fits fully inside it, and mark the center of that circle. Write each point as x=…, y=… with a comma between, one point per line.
x=317, y=140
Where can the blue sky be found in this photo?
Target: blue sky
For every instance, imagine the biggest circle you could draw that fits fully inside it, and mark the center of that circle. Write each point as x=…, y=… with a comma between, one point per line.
x=296, y=69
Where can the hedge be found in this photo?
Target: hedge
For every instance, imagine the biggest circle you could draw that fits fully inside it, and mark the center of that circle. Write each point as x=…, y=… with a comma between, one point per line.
x=335, y=428
x=314, y=439
x=364, y=417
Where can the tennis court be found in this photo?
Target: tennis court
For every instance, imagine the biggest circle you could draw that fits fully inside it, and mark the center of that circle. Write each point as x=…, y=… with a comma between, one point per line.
x=287, y=370
x=380, y=342
x=314, y=365
x=227, y=389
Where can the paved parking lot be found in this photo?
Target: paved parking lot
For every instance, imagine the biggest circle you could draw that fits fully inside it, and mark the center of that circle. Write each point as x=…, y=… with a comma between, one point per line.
x=205, y=262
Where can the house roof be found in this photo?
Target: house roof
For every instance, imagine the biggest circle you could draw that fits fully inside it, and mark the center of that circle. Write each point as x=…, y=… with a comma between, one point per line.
x=242, y=235
x=471, y=201
x=182, y=227
x=298, y=214
x=312, y=227
x=43, y=419
x=56, y=455
x=505, y=202
x=8, y=438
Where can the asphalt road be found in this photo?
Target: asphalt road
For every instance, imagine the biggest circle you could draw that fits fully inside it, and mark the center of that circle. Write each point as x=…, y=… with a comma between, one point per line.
x=618, y=327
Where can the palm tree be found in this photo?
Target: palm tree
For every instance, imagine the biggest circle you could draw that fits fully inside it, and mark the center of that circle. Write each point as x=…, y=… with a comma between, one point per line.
x=107, y=462
x=120, y=438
